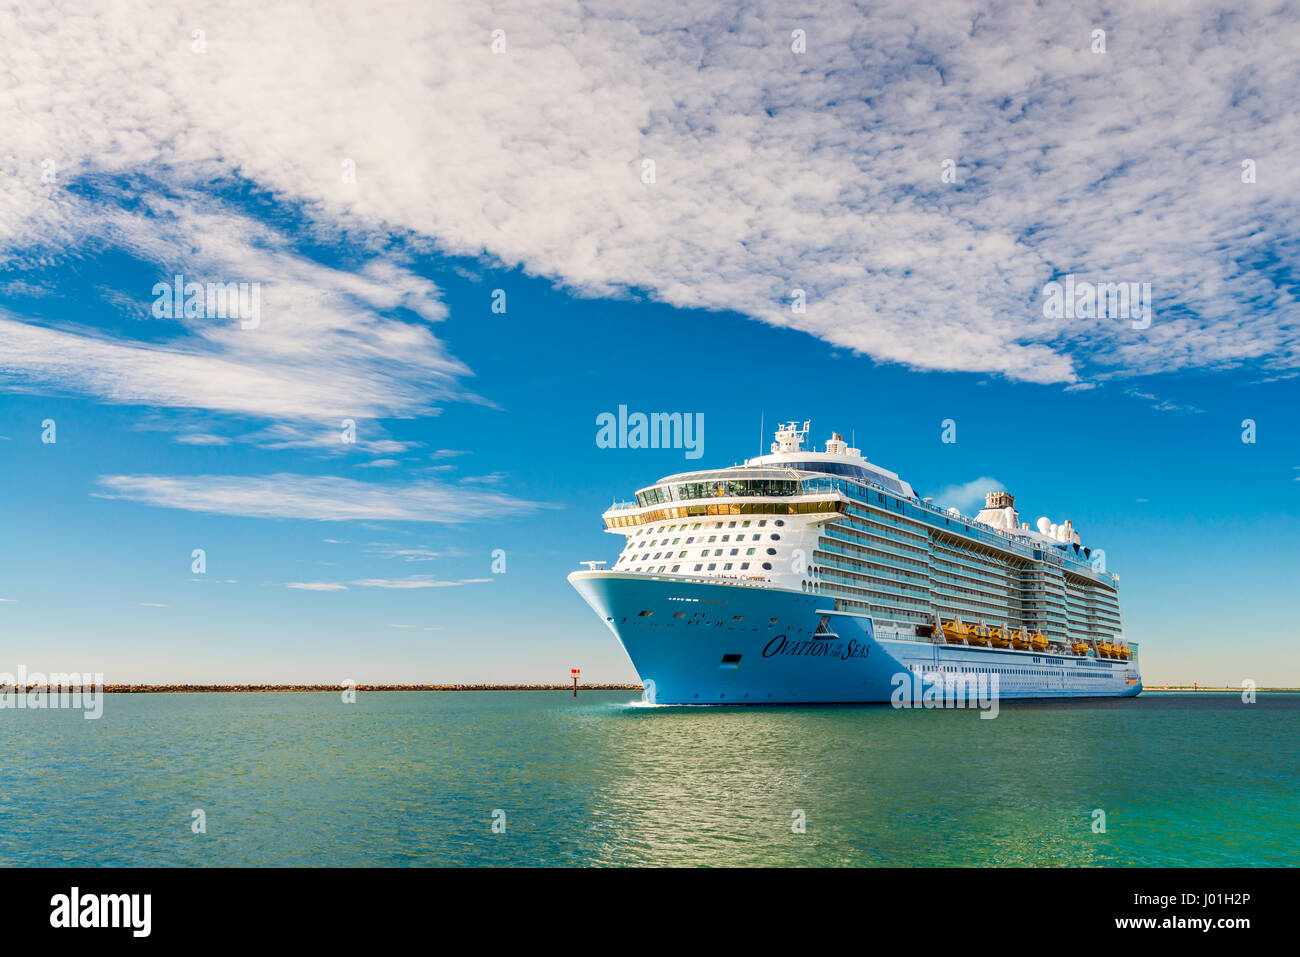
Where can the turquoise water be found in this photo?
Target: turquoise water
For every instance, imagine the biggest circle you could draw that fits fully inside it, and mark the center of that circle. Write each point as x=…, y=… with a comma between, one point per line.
x=410, y=778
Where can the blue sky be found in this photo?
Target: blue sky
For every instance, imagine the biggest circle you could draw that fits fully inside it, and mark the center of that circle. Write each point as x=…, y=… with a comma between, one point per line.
x=524, y=171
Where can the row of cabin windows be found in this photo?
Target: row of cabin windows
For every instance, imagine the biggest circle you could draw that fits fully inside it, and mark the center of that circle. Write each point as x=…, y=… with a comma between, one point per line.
x=726, y=567
x=711, y=538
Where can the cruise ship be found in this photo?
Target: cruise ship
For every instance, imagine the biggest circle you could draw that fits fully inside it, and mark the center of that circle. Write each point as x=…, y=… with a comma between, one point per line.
x=805, y=577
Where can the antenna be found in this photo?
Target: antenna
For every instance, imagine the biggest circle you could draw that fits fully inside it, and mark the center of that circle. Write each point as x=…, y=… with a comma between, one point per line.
x=761, y=416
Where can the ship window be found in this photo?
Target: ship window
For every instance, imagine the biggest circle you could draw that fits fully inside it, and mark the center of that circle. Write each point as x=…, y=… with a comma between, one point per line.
x=644, y=614
x=775, y=538
x=675, y=567
x=767, y=566
x=750, y=551
x=676, y=540
x=726, y=538
x=712, y=565
x=713, y=538
x=681, y=554
x=778, y=522
x=731, y=525
x=727, y=567
x=698, y=567
x=717, y=551
x=744, y=524
x=755, y=538
x=762, y=522
x=744, y=565
x=734, y=551
x=771, y=551
x=679, y=614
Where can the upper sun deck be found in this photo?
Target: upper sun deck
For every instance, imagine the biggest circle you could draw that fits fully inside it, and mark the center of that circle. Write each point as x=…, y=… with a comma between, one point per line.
x=781, y=471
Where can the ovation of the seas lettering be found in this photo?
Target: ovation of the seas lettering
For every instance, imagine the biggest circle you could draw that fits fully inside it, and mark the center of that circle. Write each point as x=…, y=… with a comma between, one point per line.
x=816, y=648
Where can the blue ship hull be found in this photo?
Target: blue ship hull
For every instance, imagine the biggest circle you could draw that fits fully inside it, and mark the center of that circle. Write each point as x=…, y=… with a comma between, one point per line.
x=695, y=642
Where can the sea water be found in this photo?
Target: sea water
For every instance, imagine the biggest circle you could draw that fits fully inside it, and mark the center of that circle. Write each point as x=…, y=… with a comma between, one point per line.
x=540, y=778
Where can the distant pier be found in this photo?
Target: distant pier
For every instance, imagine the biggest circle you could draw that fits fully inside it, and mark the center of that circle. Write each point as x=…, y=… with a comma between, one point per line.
x=1146, y=689
x=330, y=688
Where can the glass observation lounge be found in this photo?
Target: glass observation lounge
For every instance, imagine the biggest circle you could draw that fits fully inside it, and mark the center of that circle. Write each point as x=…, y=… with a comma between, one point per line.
x=723, y=486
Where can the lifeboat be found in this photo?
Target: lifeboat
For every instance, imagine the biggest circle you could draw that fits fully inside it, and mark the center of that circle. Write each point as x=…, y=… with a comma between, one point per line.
x=1038, y=641
x=1078, y=647
x=977, y=635
x=954, y=632
x=1020, y=639
x=999, y=638
x=1107, y=650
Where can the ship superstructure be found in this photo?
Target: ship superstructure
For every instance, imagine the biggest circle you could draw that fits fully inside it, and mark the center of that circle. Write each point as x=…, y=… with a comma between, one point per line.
x=826, y=549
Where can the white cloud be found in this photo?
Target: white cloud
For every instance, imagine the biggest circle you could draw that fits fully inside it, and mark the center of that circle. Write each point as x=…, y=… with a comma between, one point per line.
x=405, y=554
x=774, y=171
x=968, y=497
x=1162, y=405
x=150, y=604
x=414, y=581
x=322, y=349
x=201, y=438
x=317, y=497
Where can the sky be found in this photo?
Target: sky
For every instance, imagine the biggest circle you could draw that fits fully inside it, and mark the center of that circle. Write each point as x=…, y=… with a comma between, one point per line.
x=469, y=230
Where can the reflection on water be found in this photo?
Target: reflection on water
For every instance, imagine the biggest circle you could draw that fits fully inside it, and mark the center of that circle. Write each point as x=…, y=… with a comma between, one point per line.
x=413, y=778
